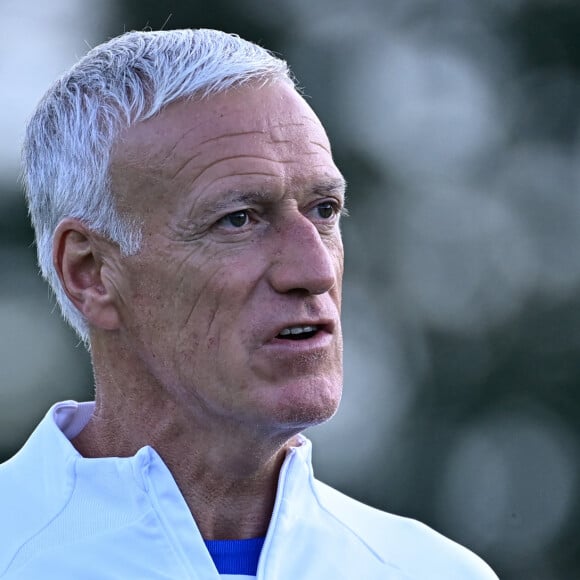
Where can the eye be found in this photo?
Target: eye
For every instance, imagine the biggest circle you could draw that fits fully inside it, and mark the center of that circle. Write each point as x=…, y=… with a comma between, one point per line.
x=237, y=219
x=327, y=210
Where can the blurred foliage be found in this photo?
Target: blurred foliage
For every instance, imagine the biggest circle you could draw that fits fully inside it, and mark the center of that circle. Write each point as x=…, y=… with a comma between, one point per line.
x=467, y=385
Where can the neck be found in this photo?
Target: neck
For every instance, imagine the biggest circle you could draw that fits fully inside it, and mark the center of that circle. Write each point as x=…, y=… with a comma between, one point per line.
x=227, y=474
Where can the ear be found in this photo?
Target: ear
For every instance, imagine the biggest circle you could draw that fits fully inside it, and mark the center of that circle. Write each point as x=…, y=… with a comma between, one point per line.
x=79, y=265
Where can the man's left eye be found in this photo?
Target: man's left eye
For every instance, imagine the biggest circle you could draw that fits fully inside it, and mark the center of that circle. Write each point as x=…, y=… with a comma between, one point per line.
x=326, y=210
x=237, y=219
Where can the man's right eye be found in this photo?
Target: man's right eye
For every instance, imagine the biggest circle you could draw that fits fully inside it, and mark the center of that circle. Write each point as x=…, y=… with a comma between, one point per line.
x=237, y=219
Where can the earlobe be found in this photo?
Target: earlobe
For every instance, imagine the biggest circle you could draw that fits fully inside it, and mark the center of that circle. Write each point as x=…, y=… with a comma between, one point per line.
x=80, y=269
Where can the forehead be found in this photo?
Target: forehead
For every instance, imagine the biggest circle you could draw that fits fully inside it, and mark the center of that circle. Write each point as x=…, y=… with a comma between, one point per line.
x=245, y=136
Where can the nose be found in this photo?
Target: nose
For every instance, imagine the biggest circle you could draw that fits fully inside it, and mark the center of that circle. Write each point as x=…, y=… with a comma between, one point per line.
x=304, y=260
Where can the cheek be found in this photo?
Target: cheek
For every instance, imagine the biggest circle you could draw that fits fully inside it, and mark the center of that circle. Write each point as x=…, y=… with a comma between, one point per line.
x=207, y=302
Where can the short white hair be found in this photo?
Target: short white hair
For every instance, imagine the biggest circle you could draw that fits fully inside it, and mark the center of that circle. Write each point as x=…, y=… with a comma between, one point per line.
x=68, y=141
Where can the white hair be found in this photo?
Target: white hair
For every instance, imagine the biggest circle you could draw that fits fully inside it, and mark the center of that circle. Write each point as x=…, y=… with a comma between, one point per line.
x=128, y=79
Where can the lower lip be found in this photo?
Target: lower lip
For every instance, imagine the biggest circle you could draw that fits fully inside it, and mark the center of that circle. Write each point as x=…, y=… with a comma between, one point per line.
x=320, y=341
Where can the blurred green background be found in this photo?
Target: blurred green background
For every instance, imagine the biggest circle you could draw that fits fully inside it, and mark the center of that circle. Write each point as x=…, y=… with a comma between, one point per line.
x=456, y=126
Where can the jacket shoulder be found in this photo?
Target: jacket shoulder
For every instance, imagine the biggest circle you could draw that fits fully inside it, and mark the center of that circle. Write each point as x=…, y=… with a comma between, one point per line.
x=20, y=508
x=29, y=498
x=413, y=547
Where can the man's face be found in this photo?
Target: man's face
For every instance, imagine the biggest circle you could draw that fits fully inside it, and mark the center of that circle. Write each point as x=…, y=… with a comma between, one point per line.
x=232, y=305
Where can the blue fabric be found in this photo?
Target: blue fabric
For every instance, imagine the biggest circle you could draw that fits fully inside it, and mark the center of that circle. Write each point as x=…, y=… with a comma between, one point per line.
x=236, y=556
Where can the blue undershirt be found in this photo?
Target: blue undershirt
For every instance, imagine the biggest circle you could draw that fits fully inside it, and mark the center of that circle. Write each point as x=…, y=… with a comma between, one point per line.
x=236, y=556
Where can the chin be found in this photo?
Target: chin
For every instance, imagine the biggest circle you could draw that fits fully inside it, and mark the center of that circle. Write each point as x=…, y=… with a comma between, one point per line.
x=309, y=407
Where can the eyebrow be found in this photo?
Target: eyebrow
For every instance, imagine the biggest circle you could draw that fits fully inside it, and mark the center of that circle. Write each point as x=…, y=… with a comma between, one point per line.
x=330, y=186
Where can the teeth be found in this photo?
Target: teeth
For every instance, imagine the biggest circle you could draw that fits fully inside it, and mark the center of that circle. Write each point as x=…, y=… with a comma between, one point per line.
x=297, y=330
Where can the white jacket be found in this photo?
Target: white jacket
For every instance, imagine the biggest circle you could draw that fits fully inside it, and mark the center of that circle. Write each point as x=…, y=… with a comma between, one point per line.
x=67, y=517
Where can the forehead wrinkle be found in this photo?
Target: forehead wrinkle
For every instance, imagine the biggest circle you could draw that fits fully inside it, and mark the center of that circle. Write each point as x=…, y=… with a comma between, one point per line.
x=231, y=158
x=311, y=119
x=132, y=145
x=183, y=165
x=179, y=141
x=270, y=128
x=324, y=167
x=193, y=157
x=321, y=145
x=287, y=124
x=257, y=173
x=227, y=135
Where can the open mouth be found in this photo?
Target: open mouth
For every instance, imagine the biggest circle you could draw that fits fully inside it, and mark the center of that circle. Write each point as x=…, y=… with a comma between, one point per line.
x=298, y=332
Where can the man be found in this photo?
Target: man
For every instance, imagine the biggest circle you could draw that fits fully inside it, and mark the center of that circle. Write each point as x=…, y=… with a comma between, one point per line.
x=186, y=208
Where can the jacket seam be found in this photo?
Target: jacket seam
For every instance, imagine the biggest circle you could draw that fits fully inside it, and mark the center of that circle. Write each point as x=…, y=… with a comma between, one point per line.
x=347, y=527
x=167, y=530
x=275, y=521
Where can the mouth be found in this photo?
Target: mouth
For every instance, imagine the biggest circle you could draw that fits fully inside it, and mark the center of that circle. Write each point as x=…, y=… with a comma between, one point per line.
x=299, y=332
x=303, y=336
